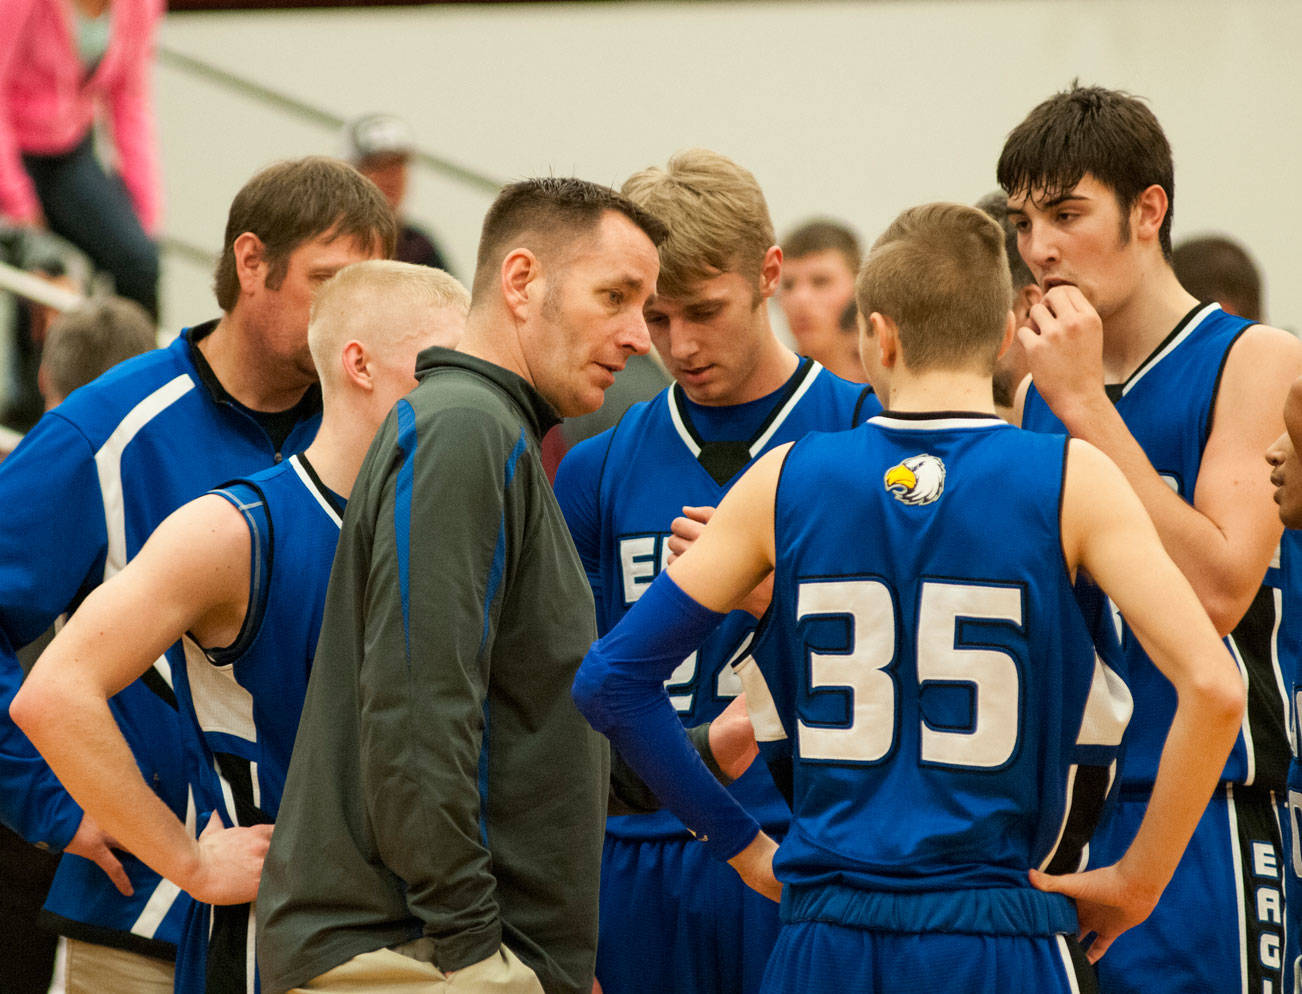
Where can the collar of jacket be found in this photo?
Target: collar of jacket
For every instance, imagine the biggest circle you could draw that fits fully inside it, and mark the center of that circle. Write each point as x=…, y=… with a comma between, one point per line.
x=539, y=414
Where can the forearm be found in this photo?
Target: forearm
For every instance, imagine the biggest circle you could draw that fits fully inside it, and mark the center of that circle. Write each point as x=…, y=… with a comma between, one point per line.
x=620, y=690
x=1214, y=565
x=79, y=738
x=1206, y=722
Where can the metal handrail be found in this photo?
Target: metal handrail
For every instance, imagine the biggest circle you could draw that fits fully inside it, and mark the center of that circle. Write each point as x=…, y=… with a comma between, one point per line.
x=293, y=105
x=25, y=284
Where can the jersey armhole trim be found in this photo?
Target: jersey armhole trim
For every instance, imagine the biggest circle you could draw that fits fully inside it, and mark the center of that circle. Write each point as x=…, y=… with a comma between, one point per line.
x=1216, y=390
x=261, y=548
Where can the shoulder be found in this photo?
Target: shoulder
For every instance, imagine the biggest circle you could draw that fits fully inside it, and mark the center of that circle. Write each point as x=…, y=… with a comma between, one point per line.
x=1258, y=368
x=581, y=467
x=856, y=398
x=208, y=532
x=140, y=388
x=1259, y=342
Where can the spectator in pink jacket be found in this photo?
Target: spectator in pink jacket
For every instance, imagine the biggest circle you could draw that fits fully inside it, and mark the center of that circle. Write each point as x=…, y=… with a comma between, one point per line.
x=62, y=64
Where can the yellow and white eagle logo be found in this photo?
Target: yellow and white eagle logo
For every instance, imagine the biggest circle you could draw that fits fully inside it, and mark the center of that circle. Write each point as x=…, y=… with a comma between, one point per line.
x=917, y=480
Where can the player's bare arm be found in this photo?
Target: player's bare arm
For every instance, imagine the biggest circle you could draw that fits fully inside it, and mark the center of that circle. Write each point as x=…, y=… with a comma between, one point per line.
x=687, y=528
x=735, y=551
x=191, y=576
x=1107, y=532
x=1224, y=540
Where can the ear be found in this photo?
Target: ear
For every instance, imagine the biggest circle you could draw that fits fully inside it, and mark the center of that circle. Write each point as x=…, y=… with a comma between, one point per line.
x=250, y=261
x=886, y=334
x=356, y=365
x=771, y=271
x=520, y=270
x=1010, y=330
x=1026, y=298
x=1148, y=213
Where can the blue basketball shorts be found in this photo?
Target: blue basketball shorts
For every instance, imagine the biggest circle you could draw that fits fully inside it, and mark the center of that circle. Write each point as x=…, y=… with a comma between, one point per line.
x=674, y=920
x=815, y=957
x=1219, y=926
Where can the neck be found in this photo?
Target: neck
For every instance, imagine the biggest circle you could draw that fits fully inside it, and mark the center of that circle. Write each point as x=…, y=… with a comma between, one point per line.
x=341, y=443
x=940, y=390
x=775, y=365
x=254, y=378
x=844, y=361
x=1134, y=329
x=484, y=339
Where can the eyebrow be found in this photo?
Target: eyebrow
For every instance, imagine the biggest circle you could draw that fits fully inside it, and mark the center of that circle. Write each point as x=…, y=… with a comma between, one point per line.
x=630, y=282
x=1045, y=204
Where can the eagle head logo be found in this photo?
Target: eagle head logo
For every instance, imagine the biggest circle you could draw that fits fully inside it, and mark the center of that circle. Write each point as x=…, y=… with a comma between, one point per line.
x=916, y=480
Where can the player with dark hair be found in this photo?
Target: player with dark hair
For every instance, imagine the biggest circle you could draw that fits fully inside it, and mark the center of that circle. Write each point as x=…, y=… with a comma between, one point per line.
x=1183, y=397
x=440, y=767
x=927, y=669
x=90, y=483
x=671, y=919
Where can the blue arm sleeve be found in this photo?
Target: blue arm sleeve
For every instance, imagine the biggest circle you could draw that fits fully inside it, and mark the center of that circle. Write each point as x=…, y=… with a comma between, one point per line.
x=620, y=690
x=52, y=540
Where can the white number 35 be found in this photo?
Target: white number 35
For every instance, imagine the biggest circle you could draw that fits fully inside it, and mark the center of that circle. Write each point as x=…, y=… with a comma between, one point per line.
x=865, y=671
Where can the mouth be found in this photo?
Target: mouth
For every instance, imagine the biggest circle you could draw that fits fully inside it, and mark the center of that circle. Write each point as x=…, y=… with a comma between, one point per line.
x=1052, y=281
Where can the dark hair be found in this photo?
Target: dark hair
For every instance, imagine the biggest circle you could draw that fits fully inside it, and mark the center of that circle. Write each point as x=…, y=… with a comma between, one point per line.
x=1109, y=134
x=537, y=213
x=996, y=205
x=1217, y=268
x=822, y=235
x=940, y=273
x=293, y=202
x=92, y=338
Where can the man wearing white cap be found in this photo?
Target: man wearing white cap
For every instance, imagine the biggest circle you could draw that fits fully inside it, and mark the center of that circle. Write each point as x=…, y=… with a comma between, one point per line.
x=380, y=146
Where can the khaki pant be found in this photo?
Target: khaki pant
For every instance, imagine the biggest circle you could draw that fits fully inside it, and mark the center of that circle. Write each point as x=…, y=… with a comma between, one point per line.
x=96, y=969
x=400, y=972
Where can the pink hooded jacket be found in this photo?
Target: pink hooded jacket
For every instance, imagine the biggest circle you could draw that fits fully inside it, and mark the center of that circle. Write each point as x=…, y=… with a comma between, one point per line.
x=47, y=107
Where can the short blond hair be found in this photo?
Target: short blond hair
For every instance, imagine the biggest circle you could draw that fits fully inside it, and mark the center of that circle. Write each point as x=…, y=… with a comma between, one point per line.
x=716, y=214
x=940, y=273
x=377, y=302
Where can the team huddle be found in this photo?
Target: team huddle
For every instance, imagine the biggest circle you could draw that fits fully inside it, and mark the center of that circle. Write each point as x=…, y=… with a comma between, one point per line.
x=790, y=683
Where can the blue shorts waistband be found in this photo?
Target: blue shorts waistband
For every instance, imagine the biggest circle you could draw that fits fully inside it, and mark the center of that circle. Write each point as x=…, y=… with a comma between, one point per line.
x=1018, y=911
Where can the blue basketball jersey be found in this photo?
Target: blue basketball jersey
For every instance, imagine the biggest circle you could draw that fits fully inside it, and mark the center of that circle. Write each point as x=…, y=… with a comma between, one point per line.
x=927, y=665
x=246, y=698
x=621, y=489
x=1168, y=404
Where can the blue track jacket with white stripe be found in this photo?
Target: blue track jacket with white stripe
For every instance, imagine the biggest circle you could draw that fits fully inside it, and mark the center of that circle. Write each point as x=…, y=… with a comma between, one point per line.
x=81, y=494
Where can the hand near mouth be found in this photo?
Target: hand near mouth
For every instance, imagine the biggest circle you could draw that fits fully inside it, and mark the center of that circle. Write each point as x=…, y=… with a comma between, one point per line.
x=1063, y=338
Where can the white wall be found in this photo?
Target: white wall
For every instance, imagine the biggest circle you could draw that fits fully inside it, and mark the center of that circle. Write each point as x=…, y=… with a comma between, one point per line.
x=851, y=109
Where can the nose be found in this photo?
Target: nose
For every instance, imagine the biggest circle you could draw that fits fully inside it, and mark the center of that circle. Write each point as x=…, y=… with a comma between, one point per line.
x=1037, y=246
x=635, y=337
x=1275, y=454
x=683, y=343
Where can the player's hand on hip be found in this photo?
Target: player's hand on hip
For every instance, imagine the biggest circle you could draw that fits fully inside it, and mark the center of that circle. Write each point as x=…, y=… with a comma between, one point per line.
x=1063, y=339
x=93, y=843
x=230, y=863
x=754, y=865
x=1106, y=903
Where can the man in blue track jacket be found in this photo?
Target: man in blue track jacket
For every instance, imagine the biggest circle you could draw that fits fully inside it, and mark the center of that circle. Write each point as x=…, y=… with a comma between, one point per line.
x=96, y=476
